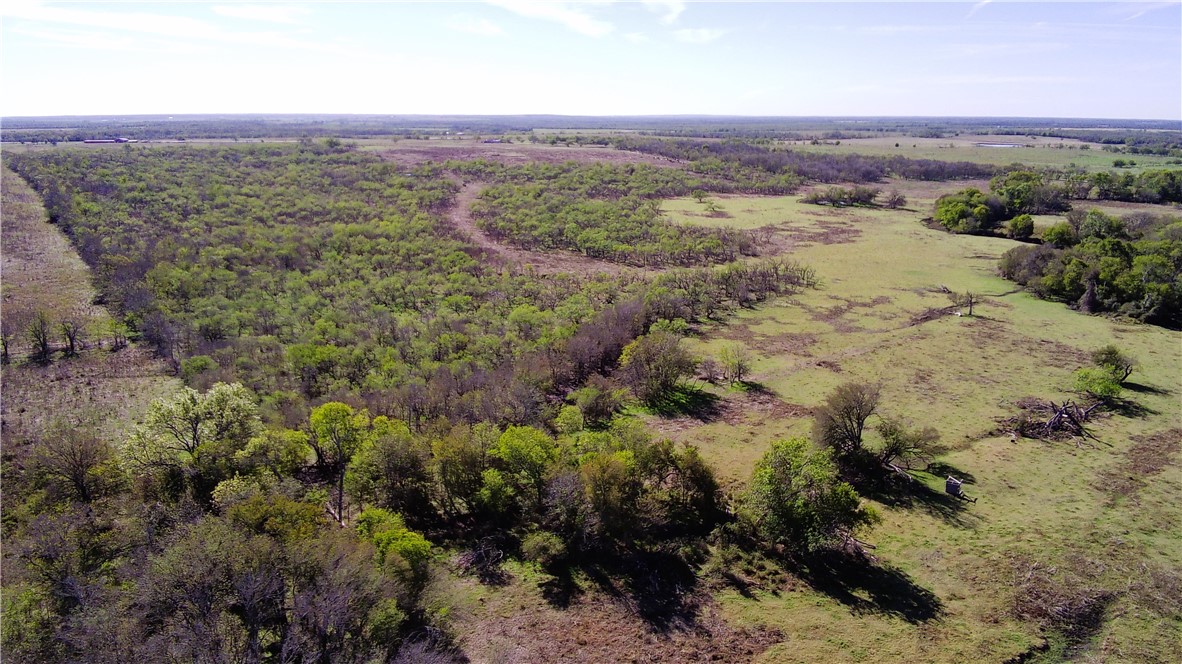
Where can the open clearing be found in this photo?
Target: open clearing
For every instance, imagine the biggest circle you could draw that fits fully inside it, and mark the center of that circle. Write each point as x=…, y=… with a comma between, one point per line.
x=1036, y=152
x=41, y=271
x=881, y=315
x=413, y=152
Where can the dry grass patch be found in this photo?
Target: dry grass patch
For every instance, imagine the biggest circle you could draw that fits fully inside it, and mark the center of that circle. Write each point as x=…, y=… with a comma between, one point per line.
x=97, y=386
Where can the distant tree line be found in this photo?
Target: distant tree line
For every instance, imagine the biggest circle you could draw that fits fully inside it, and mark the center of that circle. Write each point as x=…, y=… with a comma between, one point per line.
x=715, y=156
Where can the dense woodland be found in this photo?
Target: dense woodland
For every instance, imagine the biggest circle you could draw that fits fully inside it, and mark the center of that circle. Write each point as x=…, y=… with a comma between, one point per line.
x=1091, y=260
x=353, y=360
x=375, y=404
x=1101, y=263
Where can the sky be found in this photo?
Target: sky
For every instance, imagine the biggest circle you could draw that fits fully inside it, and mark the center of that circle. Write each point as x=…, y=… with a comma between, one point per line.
x=1025, y=59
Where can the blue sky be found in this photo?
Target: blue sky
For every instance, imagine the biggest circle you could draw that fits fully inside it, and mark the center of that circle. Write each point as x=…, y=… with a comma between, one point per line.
x=1048, y=59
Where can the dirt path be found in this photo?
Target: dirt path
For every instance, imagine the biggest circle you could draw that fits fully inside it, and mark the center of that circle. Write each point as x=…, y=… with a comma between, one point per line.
x=554, y=262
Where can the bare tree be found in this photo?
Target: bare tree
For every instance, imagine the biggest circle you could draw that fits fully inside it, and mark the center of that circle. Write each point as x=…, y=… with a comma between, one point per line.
x=965, y=299
x=839, y=422
x=38, y=335
x=10, y=328
x=71, y=457
x=72, y=329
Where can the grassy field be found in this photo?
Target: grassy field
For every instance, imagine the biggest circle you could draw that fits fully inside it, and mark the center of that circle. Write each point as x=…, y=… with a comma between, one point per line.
x=1105, y=512
x=42, y=272
x=1049, y=152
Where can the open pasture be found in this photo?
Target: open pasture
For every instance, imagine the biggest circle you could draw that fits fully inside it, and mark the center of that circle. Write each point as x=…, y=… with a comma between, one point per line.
x=1046, y=152
x=883, y=315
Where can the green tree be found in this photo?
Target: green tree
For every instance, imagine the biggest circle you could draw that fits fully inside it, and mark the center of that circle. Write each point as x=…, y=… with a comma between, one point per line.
x=460, y=458
x=736, y=362
x=1099, y=383
x=907, y=447
x=1061, y=235
x=281, y=452
x=569, y=420
x=613, y=488
x=1115, y=361
x=1020, y=227
x=393, y=471
x=337, y=434
x=197, y=434
x=654, y=364
x=796, y=498
x=527, y=454
x=599, y=399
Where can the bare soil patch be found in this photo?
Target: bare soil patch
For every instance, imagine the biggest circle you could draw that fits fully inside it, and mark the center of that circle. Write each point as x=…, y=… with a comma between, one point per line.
x=824, y=232
x=752, y=406
x=600, y=628
x=1149, y=455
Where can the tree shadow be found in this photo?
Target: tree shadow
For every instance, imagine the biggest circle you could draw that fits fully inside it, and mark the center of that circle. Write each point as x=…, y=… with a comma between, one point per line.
x=658, y=587
x=1128, y=408
x=1147, y=389
x=688, y=401
x=752, y=387
x=942, y=469
x=868, y=588
x=561, y=589
x=894, y=490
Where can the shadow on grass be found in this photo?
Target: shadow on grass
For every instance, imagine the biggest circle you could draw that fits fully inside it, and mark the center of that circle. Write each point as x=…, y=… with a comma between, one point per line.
x=891, y=488
x=1128, y=408
x=656, y=586
x=751, y=387
x=941, y=469
x=1147, y=389
x=868, y=588
x=898, y=492
x=688, y=401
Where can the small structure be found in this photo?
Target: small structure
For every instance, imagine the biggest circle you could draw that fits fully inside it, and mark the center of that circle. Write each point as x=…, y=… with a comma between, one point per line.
x=952, y=488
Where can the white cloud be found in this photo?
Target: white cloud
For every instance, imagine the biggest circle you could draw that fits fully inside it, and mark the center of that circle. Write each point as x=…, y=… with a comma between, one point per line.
x=475, y=26
x=636, y=38
x=669, y=10
x=978, y=7
x=698, y=35
x=267, y=13
x=570, y=15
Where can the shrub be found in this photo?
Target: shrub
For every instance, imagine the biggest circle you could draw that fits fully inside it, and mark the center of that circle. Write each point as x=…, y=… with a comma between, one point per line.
x=544, y=548
x=1098, y=383
x=796, y=498
x=1020, y=227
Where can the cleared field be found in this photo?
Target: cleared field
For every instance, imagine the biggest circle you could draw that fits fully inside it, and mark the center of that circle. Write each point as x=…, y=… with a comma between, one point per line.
x=41, y=272
x=882, y=315
x=1042, y=151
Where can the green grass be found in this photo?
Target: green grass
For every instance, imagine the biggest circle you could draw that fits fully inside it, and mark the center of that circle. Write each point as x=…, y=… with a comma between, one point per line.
x=1045, y=502
x=1044, y=152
